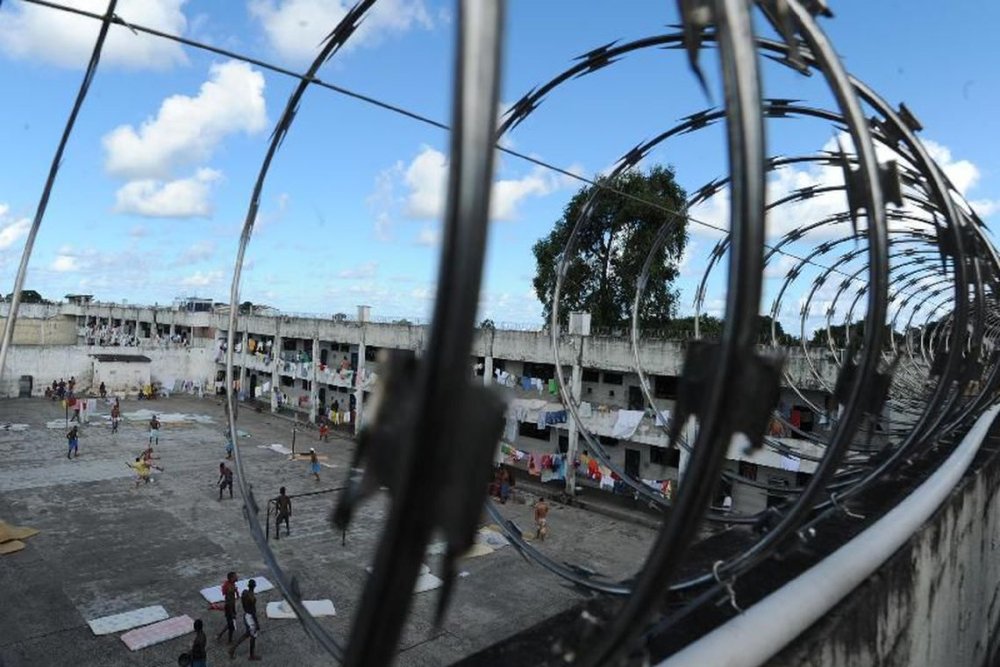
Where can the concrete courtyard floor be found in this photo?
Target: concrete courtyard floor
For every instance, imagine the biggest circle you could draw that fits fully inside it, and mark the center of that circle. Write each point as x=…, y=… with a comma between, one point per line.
x=106, y=547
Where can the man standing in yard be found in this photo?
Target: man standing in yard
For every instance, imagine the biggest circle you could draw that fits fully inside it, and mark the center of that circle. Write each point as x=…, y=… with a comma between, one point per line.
x=116, y=416
x=284, y=507
x=73, y=438
x=541, y=519
x=154, y=431
x=225, y=479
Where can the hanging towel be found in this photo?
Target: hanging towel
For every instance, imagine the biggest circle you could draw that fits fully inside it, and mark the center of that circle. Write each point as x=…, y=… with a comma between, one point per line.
x=585, y=410
x=662, y=417
x=553, y=387
x=627, y=423
x=526, y=383
x=510, y=430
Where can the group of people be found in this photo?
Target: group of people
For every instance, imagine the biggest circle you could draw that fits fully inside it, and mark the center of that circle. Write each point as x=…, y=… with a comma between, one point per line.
x=251, y=624
x=61, y=389
x=144, y=465
x=502, y=488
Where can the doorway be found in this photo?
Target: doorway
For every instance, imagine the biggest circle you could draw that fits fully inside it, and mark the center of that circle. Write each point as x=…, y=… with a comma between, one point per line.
x=632, y=462
x=635, y=398
x=24, y=386
x=253, y=385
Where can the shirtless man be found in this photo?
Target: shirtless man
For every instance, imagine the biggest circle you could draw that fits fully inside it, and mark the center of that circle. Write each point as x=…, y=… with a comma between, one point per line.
x=541, y=519
x=154, y=431
x=284, y=507
x=116, y=416
x=251, y=628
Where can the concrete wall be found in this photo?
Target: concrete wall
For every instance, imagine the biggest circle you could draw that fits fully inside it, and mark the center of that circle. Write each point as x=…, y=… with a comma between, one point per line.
x=936, y=602
x=121, y=377
x=50, y=330
x=53, y=362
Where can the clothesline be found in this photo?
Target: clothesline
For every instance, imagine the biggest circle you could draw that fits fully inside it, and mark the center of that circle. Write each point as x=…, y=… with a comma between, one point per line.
x=550, y=467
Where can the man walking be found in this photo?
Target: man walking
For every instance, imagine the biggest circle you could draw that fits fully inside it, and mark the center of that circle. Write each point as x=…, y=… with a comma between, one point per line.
x=251, y=628
x=225, y=479
x=284, y=507
x=229, y=596
x=73, y=437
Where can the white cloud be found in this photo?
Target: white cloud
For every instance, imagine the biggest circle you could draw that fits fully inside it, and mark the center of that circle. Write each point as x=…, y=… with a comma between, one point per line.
x=199, y=251
x=12, y=231
x=202, y=279
x=186, y=130
x=67, y=40
x=429, y=236
x=362, y=271
x=65, y=264
x=785, y=180
x=426, y=180
x=985, y=207
x=182, y=198
x=296, y=28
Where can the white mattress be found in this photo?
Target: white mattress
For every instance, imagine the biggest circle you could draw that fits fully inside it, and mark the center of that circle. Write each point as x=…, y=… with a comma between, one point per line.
x=107, y=625
x=315, y=607
x=157, y=633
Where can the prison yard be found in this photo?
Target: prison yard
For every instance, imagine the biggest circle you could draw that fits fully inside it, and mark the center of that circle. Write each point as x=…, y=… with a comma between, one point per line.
x=106, y=546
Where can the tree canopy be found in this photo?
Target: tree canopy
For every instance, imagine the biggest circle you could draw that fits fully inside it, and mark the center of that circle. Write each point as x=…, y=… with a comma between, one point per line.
x=611, y=249
x=28, y=296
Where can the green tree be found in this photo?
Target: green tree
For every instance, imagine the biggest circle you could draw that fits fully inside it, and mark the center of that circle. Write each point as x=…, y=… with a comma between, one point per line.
x=682, y=328
x=764, y=332
x=28, y=296
x=611, y=249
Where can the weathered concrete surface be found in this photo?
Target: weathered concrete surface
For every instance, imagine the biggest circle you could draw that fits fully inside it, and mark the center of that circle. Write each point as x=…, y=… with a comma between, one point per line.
x=935, y=602
x=106, y=547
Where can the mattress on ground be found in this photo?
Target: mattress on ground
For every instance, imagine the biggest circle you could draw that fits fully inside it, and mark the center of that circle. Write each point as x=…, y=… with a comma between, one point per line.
x=11, y=532
x=491, y=537
x=315, y=607
x=10, y=547
x=425, y=582
x=214, y=593
x=157, y=633
x=107, y=625
x=477, y=550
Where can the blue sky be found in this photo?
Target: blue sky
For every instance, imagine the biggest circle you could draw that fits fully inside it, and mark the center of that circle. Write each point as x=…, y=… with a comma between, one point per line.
x=158, y=173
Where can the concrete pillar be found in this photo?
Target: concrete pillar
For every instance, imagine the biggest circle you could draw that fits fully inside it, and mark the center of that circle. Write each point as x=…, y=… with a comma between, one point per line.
x=243, y=360
x=690, y=434
x=275, y=371
x=576, y=383
x=171, y=332
x=359, y=394
x=313, y=391
x=487, y=371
